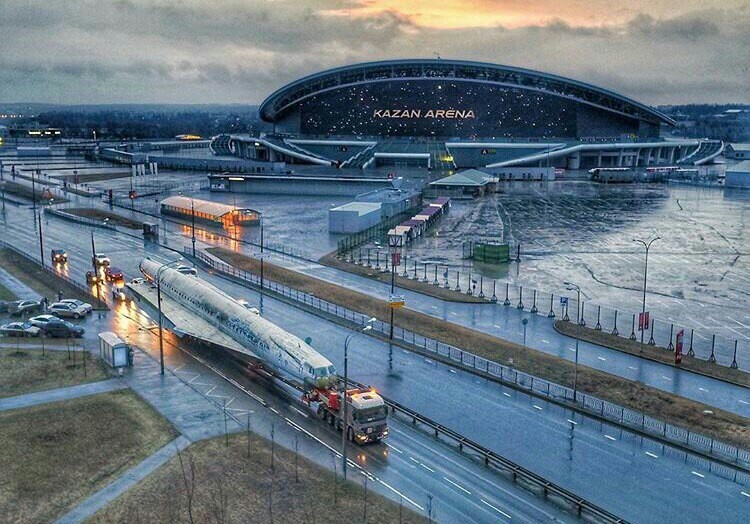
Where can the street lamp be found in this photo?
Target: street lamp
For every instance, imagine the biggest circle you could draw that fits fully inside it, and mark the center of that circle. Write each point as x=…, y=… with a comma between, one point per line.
x=577, y=289
x=158, y=305
x=647, y=245
x=574, y=287
x=345, y=424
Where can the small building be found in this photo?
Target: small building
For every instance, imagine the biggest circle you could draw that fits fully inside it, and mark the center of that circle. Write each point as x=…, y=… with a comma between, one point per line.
x=392, y=201
x=209, y=212
x=466, y=184
x=738, y=176
x=737, y=151
x=353, y=217
x=113, y=350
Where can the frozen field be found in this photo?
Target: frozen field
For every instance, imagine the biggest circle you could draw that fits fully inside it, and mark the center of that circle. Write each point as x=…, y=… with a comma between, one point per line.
x=699, y=272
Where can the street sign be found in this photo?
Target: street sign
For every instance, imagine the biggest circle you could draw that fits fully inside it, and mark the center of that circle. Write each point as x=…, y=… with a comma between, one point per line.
x=563, y=301
x=643, y=321
x=395, y=259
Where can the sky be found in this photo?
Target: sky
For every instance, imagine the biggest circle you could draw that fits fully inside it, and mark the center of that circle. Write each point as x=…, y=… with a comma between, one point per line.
x=239, y=51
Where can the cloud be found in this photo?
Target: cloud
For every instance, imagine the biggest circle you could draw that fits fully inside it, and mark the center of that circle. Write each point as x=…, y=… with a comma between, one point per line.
x=237, y=51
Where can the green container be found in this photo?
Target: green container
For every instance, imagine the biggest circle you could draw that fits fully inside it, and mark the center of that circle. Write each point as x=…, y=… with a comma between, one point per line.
x=491, y=253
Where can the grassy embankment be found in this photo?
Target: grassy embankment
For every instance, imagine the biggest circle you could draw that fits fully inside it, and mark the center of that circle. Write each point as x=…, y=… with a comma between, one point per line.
x=53, y=456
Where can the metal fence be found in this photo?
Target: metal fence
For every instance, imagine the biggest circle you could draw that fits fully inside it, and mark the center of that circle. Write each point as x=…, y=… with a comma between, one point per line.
x=698, y=344
x=619, y=415
x=351, y=242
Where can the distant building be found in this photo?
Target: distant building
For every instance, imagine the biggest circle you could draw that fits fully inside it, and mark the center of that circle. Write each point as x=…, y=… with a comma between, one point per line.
x=353, y=217
x=738, y=176
x=466, y=184
x=737, y=151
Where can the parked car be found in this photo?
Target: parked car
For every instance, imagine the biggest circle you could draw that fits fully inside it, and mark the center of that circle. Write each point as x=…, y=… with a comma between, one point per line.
x=100, y=260
x=187, y=270
x=59, y=256
x=23, y=307
x=42, y=320
x=62, y=309
x=113, y=274
x=19, y=329
x=85, y=305
x=5, y=306
x=58, y=328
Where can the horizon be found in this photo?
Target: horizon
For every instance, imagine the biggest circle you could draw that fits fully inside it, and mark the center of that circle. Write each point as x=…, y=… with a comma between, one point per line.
x=667, y=52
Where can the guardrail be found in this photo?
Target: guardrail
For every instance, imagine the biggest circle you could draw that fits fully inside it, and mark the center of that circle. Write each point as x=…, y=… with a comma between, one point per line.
x=699, y=344
x=78, y=219
x=517, y=473
x=619, y=415
x=68, y=280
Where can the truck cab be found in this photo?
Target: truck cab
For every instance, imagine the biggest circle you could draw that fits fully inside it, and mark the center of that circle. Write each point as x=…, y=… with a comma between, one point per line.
x=366, y=416
x=59, y=256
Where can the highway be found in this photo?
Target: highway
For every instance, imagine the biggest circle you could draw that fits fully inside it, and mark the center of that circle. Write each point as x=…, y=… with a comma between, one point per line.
x=630, y=476
x=504, y=322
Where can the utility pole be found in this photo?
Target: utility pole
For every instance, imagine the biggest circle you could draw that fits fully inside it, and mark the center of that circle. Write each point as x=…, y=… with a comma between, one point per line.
x=571, y=287
x=41, y=240
x=158, y=306
x=192, y=216
x=261, y=252
x=393, y=290
x=96, y=270
x=641, y=324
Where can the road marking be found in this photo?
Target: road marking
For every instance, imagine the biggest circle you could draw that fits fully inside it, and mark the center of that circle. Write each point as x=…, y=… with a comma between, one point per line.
x=573, y=422
x=178, y=368
x=456, y=485
x=498, y=327
x=666, y=378
x=602, y=359
x=427, y=468
x=746, y=494
x=610, y=437
x=652, y=455
x=394, y=448
x=631, y=367
x=428, y=361
x=741, y=401
x=698, y=474
x=397, y=492
x=538, y=407
x=273, y=409
x=508, y=394
x=300, y=412
x=414, y=460
x=495, y=508
x=207, y=393
x=703, y=389
x=572, y=349
x=545, y=341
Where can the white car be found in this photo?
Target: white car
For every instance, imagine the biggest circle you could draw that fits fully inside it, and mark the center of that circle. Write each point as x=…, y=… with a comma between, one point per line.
x=101, y=259
x=187, y=270
x=41, y=320
x=65, y=309
x=78, y=303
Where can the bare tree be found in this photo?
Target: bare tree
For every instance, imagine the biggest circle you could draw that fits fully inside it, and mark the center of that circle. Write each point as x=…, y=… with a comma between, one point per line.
x=220, y=500
x=188, y=478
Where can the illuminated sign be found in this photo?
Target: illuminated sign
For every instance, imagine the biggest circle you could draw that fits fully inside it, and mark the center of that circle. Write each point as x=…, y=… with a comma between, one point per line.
x=424, y=113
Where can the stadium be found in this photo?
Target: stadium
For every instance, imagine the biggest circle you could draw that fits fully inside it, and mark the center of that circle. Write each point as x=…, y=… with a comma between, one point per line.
x=448, y=114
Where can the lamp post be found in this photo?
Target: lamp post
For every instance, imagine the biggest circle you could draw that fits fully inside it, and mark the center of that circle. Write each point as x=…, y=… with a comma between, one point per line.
x=158, y=305
x=646, y=245
x=41, y=239
x=96, y=269
x=574, y=287
x=577, y=289
x=261, y=252
x=192, y=223
x=345, y=423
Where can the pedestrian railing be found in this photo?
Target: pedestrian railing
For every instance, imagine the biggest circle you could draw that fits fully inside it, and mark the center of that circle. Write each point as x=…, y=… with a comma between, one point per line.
x=699, y=344
x=622, y=416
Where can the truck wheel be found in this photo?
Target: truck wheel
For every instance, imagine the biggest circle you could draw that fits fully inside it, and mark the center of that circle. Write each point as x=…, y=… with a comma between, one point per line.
x=321, y=412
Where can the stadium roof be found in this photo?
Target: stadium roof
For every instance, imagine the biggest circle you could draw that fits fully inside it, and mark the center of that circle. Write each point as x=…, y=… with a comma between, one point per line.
x=454, y=70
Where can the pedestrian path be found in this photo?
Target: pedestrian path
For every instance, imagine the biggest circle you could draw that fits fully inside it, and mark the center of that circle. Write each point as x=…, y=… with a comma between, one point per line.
x=56, y=395
x=18, y=288
x=111, y=491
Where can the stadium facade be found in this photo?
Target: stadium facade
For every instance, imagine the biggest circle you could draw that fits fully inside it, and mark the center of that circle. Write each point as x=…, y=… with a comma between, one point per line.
x=450, y=113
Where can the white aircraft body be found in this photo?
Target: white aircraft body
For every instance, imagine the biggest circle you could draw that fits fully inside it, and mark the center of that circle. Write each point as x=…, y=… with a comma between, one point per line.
x=253, y=337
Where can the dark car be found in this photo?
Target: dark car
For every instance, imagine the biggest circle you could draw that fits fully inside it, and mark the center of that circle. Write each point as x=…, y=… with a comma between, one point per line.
x=113, y=274
x=57, y=328
x=59, y=256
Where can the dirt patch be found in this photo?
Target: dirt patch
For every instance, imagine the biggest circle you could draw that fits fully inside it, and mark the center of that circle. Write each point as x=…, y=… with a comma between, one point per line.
x=235, y=483
x=426, y=288
x=98, y=214
x=33, y=370
x=38, y=279
x=55, y=455
x=656, y=353
x=654, y=402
